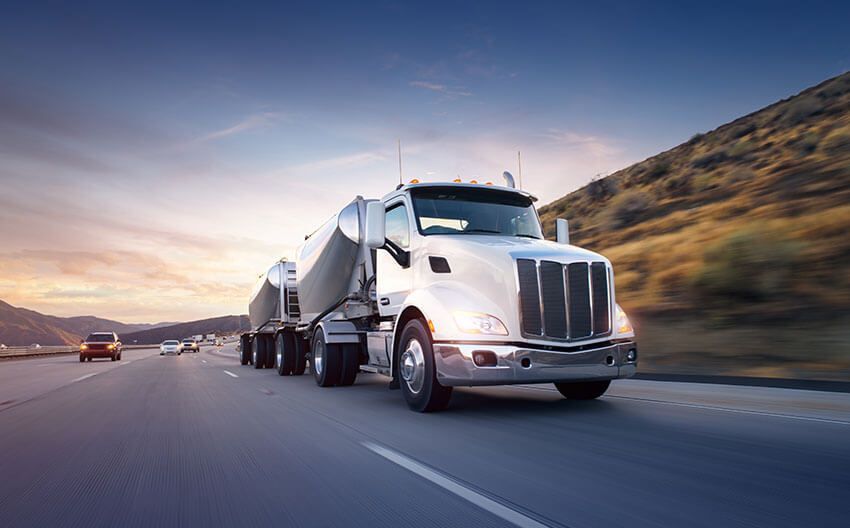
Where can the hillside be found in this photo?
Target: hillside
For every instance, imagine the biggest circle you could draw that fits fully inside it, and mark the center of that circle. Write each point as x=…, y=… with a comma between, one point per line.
x=224, y=324
x=19, y=326
x=744, y=226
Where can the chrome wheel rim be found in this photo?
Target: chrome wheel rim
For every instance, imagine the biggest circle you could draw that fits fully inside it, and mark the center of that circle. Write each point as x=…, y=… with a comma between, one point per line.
x=318, y=356
x=254, y=355
x=279, y=357
x=413, y=366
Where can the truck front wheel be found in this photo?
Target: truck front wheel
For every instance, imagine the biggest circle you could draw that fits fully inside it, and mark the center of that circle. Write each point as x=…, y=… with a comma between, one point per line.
x=584, y=390
x=325, y=361
x=417, y=371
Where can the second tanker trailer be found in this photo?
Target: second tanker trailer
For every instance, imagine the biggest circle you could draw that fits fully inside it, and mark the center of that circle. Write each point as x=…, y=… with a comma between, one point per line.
x=438, y=285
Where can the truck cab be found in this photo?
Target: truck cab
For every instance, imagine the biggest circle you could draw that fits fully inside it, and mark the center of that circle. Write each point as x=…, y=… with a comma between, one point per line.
x=498, y=302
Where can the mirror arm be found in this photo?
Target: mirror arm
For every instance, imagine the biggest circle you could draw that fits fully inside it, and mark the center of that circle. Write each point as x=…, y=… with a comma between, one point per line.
x=401, y=256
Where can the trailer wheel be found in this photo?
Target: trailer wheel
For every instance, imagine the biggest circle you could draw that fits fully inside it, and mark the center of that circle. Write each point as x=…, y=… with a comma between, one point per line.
x=350, y=363
x=585, y=390
x=244, y=345
x=270, y=355
x=325, y=361
x=258, y=351
x=302, y=348
x=417, y=371
x=285, y=352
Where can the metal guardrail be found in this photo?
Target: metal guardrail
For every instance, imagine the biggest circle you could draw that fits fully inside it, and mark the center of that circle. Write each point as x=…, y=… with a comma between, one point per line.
x=15, y=352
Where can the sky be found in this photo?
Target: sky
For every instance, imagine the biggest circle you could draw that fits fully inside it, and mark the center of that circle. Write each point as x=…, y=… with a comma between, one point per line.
x=155, y=158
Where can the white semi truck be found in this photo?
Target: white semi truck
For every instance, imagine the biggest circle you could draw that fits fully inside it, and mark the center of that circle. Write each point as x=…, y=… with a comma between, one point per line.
x=438, y=285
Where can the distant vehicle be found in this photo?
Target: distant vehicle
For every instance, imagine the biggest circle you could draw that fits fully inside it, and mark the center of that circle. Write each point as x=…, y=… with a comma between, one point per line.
x=219, y=342
x=170, y=347
x=101, y=345
x=210, y=338
x=35, y=346
x=199, y=338
x=3, y=347
x=190, y=345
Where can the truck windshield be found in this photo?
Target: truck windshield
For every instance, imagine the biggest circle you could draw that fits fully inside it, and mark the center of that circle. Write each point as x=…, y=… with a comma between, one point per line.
x=454, y=211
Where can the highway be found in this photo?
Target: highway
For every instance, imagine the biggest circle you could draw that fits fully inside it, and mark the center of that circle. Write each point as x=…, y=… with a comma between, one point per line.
x=198, y=440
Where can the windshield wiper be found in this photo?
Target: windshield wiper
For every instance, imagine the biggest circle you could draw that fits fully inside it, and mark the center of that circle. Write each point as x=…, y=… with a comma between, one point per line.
x=524, y=235
x=481, y=231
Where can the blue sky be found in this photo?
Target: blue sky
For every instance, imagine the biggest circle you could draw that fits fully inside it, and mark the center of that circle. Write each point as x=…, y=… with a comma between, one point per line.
x=211, y=136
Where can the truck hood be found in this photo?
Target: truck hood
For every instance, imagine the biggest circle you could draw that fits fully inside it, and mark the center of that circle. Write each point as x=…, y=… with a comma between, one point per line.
x=511, y=247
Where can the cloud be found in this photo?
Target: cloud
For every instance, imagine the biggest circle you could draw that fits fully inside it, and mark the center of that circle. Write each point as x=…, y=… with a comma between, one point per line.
x=252, y=122
x=441, y=88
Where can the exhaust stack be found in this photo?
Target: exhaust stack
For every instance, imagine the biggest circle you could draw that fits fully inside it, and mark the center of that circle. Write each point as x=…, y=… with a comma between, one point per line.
x=509, y=179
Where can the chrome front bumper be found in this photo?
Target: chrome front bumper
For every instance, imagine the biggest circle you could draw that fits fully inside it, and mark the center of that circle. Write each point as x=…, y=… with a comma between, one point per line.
x=518, y=364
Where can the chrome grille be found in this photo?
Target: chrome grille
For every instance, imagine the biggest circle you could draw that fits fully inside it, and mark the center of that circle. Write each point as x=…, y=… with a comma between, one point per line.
x=529, y=294
x=564, y=302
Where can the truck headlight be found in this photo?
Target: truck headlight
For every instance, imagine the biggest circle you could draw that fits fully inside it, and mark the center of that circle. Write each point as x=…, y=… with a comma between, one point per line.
x=479, y=323
x=624, y=326
x=83, y=346
x=110, y=347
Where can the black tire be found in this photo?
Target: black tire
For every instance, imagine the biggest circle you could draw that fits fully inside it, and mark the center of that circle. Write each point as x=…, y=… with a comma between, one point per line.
x=113, y=357
x=270, y=355
x=430, y=396
x=82, y=358
x=88, y=358
x=244, y=350
x=284, y=347
x=325, y=361
x=350, y=364
x=302, y=350
x=258, y=351
x=583, y=390
x=119, y=356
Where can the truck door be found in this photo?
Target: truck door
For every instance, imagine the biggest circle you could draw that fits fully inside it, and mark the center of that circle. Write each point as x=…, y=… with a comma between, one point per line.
x=393, y=282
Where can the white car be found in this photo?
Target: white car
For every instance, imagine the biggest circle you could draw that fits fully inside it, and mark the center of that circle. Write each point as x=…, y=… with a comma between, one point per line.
x=35, y=346
x=171, y=346
x=3, y=347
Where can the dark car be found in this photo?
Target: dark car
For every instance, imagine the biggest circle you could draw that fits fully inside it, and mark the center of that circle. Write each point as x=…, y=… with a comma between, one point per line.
x=101, y=345
x=190, y=345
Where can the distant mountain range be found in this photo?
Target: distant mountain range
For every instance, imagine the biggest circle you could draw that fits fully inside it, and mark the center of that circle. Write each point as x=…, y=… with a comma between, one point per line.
x=20, y=326
x=218, y=325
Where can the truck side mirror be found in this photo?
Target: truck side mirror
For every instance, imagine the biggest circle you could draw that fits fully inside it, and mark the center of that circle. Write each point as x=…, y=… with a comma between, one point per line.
x=562, y=230
x=376, y=229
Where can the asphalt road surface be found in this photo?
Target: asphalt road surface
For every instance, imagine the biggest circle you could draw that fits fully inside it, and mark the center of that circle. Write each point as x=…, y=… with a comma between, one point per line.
x=197, y=440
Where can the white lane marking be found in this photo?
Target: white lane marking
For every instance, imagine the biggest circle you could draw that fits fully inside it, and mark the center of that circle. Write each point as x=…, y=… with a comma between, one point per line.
x=81, y=378
x=485, y=503
x=707, y=407
x=204, y=360
x=232, y=375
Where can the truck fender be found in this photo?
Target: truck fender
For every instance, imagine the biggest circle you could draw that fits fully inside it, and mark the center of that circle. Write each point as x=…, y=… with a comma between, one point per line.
x=435, y=305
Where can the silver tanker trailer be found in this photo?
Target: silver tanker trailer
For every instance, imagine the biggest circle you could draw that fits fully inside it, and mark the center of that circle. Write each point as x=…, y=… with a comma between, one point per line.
x=438, y=285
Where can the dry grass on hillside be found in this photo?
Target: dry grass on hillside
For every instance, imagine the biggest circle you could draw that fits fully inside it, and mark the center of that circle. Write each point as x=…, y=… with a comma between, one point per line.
x=747, y=222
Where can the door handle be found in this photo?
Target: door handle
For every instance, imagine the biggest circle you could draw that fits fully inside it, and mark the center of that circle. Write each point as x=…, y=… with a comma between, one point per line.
x=385, y=301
